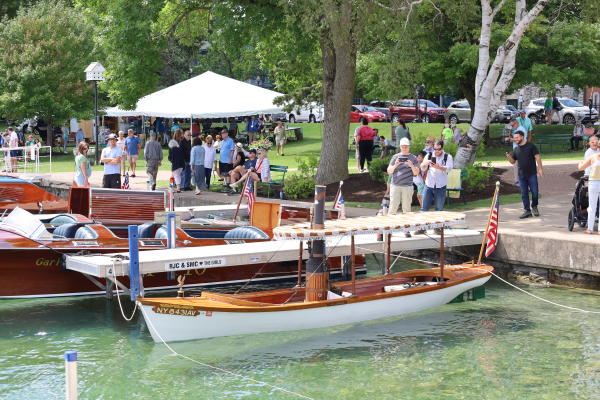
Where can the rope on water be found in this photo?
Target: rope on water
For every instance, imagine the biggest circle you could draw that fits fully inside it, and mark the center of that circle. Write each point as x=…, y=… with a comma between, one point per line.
x=501, y=279
x=219, y=368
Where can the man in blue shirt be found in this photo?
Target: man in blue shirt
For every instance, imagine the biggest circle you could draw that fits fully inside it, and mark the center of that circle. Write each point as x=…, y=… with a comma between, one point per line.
x=132, y=146
x=525, y=122
x=226, y=155
x=252, y=128
x=111, y=158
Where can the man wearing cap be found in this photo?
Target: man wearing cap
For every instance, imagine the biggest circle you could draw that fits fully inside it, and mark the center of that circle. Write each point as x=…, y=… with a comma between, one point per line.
x=153, y=155
x=525, y=122
x=226, y=156
x=403, y=166
x=111, y=158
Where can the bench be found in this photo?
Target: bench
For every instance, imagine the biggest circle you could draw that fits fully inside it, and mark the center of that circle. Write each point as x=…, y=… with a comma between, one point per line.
x=278, y=180
x=552, y=141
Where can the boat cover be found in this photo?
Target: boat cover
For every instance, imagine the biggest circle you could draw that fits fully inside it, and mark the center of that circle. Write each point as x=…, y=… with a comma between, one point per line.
x=26, y=224
x=405, y=222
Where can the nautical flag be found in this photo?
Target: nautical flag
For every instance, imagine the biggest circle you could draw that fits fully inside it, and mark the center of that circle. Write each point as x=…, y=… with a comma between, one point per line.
x=492, y=235
x=125, y=184
x=249, y=194
x=338, y=203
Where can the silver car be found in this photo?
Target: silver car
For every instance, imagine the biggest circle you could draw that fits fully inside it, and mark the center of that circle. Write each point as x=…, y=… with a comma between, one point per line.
x=458, y=111
x=570, y=111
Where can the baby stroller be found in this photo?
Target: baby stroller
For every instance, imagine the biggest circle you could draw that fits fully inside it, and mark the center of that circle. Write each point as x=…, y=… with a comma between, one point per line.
x=578, y=212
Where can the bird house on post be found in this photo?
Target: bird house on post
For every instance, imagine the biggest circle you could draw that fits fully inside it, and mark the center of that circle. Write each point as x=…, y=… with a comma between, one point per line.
x=94, y=72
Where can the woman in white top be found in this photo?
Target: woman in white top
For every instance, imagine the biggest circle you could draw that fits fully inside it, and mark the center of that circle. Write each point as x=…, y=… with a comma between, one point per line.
x=593, y=188
x=210, y=154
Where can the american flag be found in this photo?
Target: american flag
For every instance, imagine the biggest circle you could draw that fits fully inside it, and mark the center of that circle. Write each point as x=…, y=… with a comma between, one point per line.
x=125, y=184
x=249, y=194
x=338, y=204
x=492, y=235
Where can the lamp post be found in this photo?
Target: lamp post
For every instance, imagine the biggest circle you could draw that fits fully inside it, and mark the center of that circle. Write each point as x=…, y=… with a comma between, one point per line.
x=95, y=72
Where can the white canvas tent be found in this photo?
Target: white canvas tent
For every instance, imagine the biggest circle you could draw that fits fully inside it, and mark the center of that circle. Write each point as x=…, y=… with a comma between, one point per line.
x=208, y=95
x=117, y=112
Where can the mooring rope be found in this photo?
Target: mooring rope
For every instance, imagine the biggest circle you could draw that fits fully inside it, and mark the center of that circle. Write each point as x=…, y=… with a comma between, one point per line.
x=226, y=371
x=499, y=278
x=118, y=294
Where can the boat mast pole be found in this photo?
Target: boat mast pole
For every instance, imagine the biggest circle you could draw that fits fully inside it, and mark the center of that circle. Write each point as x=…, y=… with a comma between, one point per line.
x=442, y=255
x=300, y=264
x=388, y=252
x=487, y=226
x=237, y=208
x=317, y=271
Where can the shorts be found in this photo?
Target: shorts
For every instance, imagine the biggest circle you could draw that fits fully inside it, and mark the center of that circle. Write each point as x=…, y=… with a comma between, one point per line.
x=111, y=181
x=132, y=157
x=280, y=140
x=420, y=188
x=225, y=168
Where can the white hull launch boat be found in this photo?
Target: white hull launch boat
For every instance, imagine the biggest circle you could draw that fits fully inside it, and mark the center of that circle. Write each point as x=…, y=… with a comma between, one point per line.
x=321, y=303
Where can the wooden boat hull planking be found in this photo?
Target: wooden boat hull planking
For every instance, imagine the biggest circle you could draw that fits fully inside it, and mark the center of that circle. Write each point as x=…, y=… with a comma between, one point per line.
x=197, y=323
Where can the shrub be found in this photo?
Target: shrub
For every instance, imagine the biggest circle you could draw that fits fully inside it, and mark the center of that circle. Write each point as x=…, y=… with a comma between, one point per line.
x=376, y=169
x=301, y=184
x=477, y=176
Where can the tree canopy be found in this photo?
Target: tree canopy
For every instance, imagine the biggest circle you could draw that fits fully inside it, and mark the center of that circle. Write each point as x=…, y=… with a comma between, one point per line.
x=45, y=49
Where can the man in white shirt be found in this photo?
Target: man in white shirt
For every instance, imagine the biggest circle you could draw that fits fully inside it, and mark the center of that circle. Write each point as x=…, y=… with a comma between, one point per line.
x=13, y=142
x=111, y=158
x=437, y=165
x=594, y=148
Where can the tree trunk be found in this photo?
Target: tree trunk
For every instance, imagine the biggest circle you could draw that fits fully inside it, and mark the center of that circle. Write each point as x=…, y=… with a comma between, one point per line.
x=338, y=47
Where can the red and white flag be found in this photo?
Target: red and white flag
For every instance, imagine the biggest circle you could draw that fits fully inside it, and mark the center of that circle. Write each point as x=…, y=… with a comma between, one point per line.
x=125, y=184
x=249, y=194
x=492, y=235
x=338, y=203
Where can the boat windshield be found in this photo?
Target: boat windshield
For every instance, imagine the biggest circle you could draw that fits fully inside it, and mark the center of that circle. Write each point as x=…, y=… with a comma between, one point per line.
x=25, y=224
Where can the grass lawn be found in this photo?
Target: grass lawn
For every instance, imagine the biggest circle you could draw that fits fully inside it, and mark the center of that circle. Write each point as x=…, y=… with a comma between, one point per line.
x=311, y=146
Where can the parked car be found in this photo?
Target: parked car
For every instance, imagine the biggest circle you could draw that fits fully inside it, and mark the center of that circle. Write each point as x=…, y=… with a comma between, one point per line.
x=458, y=111
x=384, y=107
x=308, y=113
x=359, y=112
x=504, y=113
x=570, y=112
x=428, y=111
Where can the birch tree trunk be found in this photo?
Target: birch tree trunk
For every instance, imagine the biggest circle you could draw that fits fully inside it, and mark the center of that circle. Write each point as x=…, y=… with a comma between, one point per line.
x=492, y=81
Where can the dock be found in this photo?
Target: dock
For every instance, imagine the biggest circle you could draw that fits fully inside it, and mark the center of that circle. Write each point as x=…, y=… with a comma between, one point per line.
x=189, y=258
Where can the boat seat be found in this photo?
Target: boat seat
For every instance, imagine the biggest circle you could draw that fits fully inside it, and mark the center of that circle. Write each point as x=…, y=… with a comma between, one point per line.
x=246, y=232
x=66, y=230
x=146, y=231
x=85, y=232
x=62, y=219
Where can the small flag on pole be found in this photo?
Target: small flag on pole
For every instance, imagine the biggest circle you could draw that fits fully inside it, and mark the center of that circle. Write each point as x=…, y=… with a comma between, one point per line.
x=492, y=235
x=249, y=194
x=338, y=204
x=125, y=184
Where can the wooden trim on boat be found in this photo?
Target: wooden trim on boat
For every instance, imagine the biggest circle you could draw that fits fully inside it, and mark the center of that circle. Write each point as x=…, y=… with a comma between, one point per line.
x=207, y=301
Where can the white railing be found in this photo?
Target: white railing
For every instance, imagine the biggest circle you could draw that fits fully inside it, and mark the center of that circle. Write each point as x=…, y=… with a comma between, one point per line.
x=30, y=159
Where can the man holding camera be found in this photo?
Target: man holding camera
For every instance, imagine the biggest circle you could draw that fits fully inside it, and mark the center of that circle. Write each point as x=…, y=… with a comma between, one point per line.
x=403, y=166
x=437, y=165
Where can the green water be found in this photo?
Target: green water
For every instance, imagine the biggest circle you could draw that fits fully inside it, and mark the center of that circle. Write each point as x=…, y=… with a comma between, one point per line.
x=506, y=346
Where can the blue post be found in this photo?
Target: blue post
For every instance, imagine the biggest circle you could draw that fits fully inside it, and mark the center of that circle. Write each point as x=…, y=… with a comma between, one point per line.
x=134, y=263
x=171, y=237
x=71, y=374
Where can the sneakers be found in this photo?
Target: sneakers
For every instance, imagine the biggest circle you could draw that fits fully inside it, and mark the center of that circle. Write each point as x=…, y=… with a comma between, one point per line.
x=535, y=211
x=407, y=234
x=526, y=214
x=420, y=232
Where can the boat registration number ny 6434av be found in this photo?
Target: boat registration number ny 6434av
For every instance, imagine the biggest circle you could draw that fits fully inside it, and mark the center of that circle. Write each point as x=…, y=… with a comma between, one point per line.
x=194, y=264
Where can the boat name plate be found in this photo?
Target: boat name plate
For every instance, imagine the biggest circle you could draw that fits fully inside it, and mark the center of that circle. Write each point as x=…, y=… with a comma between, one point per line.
x=195, y=264
x=86, y=243
x=152, y=242
x=172, y=309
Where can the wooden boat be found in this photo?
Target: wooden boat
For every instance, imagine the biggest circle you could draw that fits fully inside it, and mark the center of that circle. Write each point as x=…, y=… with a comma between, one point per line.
x=16, y=192
x=215, y=314
x=319, y=304
x=32, y=255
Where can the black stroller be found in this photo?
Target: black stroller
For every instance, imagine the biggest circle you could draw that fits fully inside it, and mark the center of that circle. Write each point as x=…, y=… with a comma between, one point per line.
x=578, y=212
